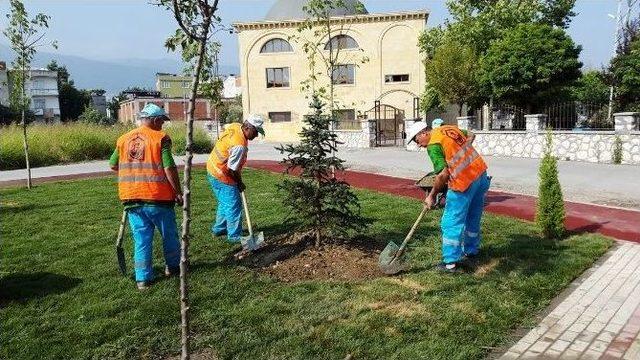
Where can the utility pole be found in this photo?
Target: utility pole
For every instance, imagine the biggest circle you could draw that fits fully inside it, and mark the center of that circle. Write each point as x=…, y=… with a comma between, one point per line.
x=616, y=41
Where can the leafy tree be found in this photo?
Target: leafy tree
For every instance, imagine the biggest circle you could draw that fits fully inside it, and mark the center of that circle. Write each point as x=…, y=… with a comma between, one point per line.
x=72, y=101
x=591, y=87
x=550, y=212
x=453, y=74
x=531, y=65
x=24, y=36
x=625, y=68
x=197, y=24
x=114, y=103
x=319, y=202
x=231, y=111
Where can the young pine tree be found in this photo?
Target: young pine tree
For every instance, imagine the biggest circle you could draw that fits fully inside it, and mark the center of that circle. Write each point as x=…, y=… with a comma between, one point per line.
x=319, y=203
x=550, y=213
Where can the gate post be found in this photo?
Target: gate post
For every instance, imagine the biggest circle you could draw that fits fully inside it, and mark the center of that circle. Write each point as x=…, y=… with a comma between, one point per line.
x=535, y=122
x=626, y=121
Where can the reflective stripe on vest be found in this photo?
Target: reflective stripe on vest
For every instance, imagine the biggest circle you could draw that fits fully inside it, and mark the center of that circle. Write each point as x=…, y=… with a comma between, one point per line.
x=142, y=178
x=221, y=158
x=139, y=166
x=459, y=155
x=465, y=163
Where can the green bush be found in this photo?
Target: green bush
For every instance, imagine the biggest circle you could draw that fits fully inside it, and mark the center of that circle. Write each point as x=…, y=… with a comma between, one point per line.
x=550, y=213
x=75, y=142
x=91, y=115
x=617, y=151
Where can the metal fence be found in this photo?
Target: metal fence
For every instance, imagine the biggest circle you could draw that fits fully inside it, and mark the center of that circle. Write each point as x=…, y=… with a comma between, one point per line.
x=501, y=117
x=576, y=115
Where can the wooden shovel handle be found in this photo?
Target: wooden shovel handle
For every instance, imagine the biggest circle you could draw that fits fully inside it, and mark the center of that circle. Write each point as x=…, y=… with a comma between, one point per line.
x=246, y=212
x=413, y=229
x=123, y=223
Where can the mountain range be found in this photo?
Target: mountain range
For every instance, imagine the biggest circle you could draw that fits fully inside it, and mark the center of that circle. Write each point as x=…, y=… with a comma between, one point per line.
x=110, y=75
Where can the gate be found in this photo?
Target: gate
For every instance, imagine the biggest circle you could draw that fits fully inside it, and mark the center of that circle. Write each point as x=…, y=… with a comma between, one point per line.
x=389, y=124
x=501, y=117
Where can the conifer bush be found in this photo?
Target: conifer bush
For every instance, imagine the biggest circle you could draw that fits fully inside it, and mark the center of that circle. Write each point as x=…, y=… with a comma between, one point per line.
x=550, y=212
x=617, y=151
x=318, y=201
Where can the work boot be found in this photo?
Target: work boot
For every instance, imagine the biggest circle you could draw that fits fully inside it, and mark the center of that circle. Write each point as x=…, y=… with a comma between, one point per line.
x=452, y=268
x=143, y=285
x=171, y=270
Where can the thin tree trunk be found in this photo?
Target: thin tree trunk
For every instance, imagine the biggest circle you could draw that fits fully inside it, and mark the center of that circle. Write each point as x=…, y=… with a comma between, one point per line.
x=186, y=207
x=24, y=130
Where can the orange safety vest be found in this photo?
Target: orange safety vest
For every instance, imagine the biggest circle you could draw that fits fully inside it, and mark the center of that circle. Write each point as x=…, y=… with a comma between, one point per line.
x=217, y=162
x=140, y=172
x=463, y=161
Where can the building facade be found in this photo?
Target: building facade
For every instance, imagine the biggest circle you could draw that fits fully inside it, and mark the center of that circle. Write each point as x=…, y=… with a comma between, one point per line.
x=176, y=108
x=231, y=87
x=173, y=86
x=379, y=65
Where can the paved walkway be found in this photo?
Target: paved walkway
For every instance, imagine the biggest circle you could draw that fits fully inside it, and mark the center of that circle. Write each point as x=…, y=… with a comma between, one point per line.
x=603, y=184
x=599, y=319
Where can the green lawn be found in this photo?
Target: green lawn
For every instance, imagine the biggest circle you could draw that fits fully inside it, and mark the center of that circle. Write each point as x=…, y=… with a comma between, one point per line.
x=62, y=297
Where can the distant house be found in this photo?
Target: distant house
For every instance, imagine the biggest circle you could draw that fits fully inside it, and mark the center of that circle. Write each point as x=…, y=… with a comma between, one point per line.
x=173, y=86
x=176, y=108
x=99, y=102
x=42, y=87
x=232, y=87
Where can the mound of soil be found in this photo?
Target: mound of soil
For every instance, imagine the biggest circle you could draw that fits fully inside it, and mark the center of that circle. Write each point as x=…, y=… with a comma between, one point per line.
x=296, y=259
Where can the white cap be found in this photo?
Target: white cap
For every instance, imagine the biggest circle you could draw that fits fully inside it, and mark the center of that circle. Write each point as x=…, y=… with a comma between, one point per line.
x=414, y=129
x=256, y=121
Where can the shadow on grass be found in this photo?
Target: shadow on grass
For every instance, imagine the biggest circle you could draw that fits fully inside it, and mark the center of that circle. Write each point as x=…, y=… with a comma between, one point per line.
x=523, y=253
x=23, y=287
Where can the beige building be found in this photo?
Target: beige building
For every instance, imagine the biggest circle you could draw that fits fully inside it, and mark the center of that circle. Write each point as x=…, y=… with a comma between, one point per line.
x=273, y=66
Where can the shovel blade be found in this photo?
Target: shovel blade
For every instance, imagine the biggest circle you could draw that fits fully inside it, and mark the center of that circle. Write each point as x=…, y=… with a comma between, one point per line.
x=254, y=242
x=390, y=262
x=122, y=264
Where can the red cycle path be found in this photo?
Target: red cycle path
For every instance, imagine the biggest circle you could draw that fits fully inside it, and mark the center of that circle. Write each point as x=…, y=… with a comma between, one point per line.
x=618, y=223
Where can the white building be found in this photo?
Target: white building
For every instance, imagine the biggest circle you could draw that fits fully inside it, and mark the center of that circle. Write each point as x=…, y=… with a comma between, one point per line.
x=232, y=87
x=42, y=87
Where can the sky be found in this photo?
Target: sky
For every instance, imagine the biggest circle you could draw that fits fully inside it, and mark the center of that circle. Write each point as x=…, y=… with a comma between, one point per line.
x=135, y=29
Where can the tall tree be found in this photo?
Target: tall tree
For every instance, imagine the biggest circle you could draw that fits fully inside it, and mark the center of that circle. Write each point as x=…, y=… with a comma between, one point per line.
x=197, y=23
x=453, y=74
x=25, y=35
x=531, y=65
x=591, y=87
x=72, y=100
x=625, y=68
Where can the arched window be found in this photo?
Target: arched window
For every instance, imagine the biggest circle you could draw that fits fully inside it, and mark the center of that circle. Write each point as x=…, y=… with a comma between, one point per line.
x=342, y=42
x=275, y=46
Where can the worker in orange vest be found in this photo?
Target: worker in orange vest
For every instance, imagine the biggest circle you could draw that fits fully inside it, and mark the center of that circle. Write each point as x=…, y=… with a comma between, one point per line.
x=462, y=169
x=224, y=168
x=149, y=188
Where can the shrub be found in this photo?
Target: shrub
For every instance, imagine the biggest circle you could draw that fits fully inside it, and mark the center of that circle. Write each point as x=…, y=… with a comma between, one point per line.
x=201, y=141
x=550, y=213
x=617, y=151
x=91, y=115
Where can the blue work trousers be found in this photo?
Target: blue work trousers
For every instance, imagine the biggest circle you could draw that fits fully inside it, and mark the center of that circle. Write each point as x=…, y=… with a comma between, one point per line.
x=143, y=220
x=461, y=221
x=229, y=211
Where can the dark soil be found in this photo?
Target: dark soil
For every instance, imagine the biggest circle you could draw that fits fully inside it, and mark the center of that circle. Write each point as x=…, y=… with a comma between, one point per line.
x=296, y=258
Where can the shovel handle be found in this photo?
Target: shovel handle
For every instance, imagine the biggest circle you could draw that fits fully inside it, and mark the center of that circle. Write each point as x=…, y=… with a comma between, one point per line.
x=413, y=229
x=123, y=223
x=246, y=212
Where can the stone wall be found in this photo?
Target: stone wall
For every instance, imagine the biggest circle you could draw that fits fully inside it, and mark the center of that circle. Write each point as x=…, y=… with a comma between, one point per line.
x=358, y=139
x=591, y=146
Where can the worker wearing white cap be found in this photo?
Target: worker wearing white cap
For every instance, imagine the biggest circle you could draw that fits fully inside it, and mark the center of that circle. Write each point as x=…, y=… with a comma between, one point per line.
x=460, y=168
x=224, y=175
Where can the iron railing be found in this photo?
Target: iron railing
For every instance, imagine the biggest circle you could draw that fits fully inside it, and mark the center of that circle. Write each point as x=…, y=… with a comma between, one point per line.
x=501, y=117
x=575, y=115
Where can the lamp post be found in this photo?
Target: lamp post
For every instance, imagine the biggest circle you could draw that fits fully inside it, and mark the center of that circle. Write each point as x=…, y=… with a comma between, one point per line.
x=616, y=41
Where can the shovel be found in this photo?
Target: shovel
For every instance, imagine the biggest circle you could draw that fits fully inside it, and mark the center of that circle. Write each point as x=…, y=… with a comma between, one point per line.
x=392, y=259
x=253, y=241
x=122, y=264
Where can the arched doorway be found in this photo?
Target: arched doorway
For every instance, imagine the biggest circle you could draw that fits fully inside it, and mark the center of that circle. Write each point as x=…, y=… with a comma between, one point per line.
x=389, y=124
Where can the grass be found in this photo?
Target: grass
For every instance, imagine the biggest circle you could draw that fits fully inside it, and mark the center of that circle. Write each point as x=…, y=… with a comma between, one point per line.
x=75, y=142
x=62, y=296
